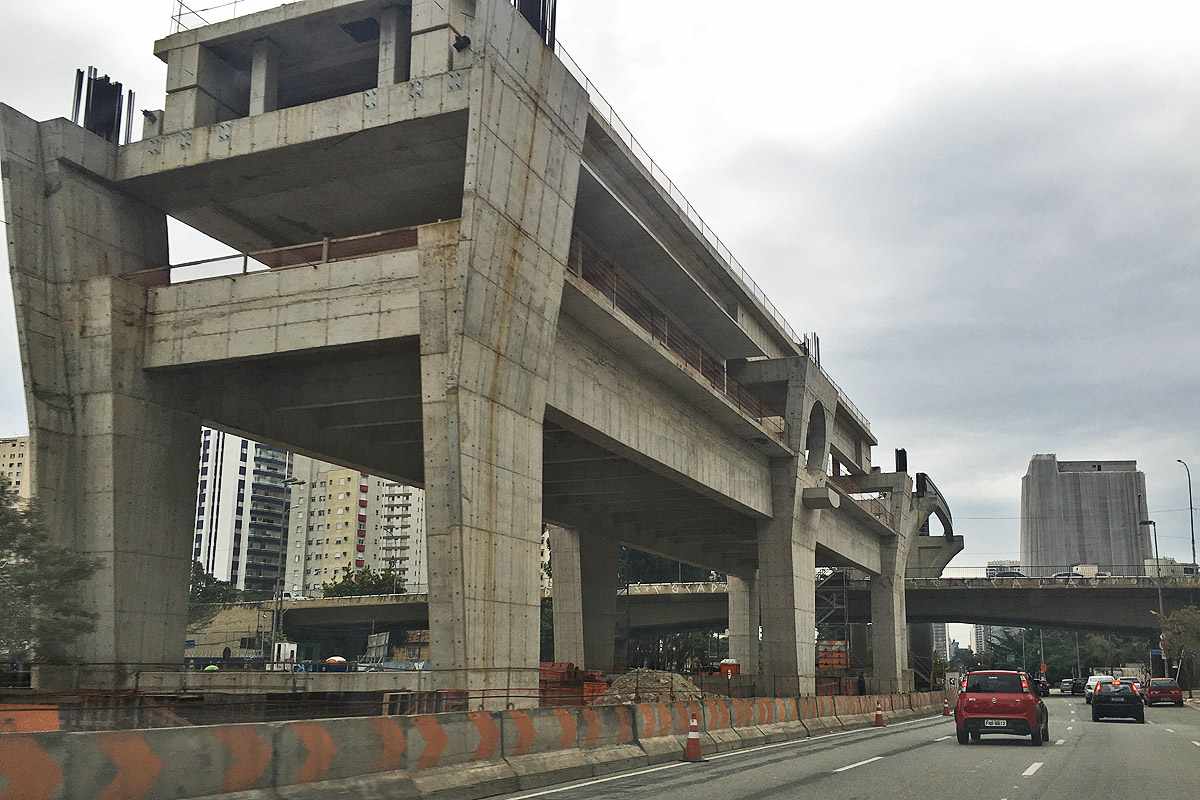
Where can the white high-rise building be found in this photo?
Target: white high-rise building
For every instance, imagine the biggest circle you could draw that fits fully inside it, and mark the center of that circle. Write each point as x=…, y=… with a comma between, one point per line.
x=941, y=644
x=241, y=506
x=341, y=518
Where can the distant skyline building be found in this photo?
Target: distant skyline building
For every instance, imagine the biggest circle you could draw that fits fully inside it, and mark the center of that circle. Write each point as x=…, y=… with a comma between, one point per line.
x=941, y=644
x=16, y=465
x=1083, y=512
x=998, y=566
x=241, y=505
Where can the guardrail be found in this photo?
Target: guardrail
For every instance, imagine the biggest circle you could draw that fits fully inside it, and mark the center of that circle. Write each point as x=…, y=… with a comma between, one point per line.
x=872, y=505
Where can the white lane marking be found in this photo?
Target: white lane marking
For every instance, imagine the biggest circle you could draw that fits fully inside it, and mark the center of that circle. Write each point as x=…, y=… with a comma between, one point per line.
x=1061, y=741
x=1032, y=768
x=600, y=780
x=942, y=738
x=1196, y=743
x=795, y=742
x=1168, y=730
x=1070, y=728
x=859, y=764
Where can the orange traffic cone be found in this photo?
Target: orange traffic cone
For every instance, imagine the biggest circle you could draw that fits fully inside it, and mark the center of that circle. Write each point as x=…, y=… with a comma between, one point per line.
x=879, y=723
x=946, y=708
x=692, y=751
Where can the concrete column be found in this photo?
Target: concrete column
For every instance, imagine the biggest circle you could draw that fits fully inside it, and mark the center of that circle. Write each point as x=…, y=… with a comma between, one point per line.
x=489, y=305
x=395, y=44
x=787, y=585
x=744, y=622
x=264, y=77
x=114, y=451
x=889, y=627
x=920, y=644
x=585, y=598
x=860, y=647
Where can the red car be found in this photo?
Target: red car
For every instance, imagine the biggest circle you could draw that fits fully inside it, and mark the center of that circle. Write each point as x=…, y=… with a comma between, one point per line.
x=1163, y=690
x=999, y=701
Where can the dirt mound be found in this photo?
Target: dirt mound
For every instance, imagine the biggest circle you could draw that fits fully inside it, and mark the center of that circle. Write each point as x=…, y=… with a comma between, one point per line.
x=649, y=686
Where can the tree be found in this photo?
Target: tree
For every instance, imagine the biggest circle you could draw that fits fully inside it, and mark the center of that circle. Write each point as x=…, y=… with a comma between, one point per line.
x=356, y=583
x=42, y=605
x=1181, y=630
x=205, y=592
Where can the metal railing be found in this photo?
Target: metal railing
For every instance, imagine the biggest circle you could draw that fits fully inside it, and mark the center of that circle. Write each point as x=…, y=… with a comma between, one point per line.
x=185, y=16
x=1054, y=574
x=608, y=279
x=605, y=111
x=874, y=506
x=292, y=256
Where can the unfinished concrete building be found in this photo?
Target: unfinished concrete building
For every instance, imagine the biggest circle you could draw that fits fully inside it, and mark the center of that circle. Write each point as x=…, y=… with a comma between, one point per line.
x=462, y=274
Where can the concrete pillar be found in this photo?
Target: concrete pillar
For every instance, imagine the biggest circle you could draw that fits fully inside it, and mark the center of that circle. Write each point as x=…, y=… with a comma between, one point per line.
x=744, y=622
x=113, y=452
x=489, y=306
x=585, y=598
x=860, y=647
x=436, y=24
x=920, y=644
x=264, y=77
x=395, y=44
x=889, y=627
x=787, y=586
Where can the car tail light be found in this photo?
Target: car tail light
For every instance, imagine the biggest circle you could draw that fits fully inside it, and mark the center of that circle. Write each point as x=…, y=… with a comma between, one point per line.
x=962, y=685
x=1024, y=684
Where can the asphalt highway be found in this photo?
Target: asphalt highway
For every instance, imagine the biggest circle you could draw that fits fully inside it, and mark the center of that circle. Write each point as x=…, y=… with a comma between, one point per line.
x=922, y=759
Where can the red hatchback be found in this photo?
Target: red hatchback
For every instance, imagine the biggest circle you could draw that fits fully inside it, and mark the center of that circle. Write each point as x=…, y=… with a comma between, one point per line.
x=1163, y=690
x=998, y=701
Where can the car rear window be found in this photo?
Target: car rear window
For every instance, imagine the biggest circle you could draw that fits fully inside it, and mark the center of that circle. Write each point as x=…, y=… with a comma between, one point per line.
x=1164, y=683
x=994, y=684
x=1114, y=688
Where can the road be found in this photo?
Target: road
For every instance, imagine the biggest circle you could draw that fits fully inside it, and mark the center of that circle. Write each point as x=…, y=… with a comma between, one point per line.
x=921, y=759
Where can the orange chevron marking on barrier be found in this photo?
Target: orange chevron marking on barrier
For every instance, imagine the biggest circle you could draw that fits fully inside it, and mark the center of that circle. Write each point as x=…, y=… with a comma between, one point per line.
x=569, y=728
x=137, y=766
x=249, y=757
x=435, y=740
x=625, y=721
x=392, y=743
x=321, y=751
x=664, y=718
x=649, y=719
x=743, y=712
x=27, y=771
x=592, y=727
x=525, y=732
x=489, y=735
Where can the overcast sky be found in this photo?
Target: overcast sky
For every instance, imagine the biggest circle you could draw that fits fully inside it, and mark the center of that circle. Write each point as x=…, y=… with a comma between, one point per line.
x=988, y=211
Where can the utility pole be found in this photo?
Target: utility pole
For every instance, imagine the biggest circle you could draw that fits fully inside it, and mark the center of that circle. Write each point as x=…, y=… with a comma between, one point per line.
x=1078, y=669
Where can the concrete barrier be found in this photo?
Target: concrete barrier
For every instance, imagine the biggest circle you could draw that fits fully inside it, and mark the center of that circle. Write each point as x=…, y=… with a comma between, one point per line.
x=662, y=728
x=718, y=722
x=607, y=739
x=464, y=754
x=542, y=746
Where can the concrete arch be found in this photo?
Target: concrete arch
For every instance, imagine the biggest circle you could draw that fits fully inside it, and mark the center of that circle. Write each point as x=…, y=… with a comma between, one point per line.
x=816, y=437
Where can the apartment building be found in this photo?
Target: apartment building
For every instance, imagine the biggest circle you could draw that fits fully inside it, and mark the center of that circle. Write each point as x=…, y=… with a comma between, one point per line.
x=15, y=465
x=340, y=517
x=241, y=509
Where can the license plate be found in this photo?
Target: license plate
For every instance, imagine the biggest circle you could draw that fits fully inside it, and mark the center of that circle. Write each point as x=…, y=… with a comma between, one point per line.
x=995, y=723
x=1116, y=699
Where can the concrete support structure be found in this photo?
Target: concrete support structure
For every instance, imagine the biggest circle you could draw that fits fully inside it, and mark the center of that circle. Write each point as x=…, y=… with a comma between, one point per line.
x=744, y=623
x=585, y=598
x=264, y=77
x=99, y=424
x=395, y=44
x=474, y=285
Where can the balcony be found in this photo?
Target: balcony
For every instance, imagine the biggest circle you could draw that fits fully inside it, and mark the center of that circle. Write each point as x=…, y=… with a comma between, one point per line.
x=876, y=506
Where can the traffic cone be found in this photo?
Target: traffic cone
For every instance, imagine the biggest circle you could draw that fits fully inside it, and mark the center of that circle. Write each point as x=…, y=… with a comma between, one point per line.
x=692, y=751
x=879, y=723
x=945, y=707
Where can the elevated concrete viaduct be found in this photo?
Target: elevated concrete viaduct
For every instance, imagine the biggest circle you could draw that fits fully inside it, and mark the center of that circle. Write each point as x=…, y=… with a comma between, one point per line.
x=458, y=272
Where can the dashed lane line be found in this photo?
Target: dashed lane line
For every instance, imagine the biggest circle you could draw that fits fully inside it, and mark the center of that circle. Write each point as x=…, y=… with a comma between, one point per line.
x=1169, y=730
x=859, y=764
x=943, y=738
x=1032, y=768
x=1196, y=743
x=1061, y=741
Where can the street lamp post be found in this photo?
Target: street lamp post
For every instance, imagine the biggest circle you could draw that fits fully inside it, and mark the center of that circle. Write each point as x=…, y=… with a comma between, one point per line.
x=1158, y=585
x=1191, y=508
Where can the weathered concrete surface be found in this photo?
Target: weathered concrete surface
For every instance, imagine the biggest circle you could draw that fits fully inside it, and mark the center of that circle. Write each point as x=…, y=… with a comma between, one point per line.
x=585, y=598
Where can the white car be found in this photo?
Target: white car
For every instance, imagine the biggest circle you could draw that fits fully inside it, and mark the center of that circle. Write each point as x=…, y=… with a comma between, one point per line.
x=1091, y=685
